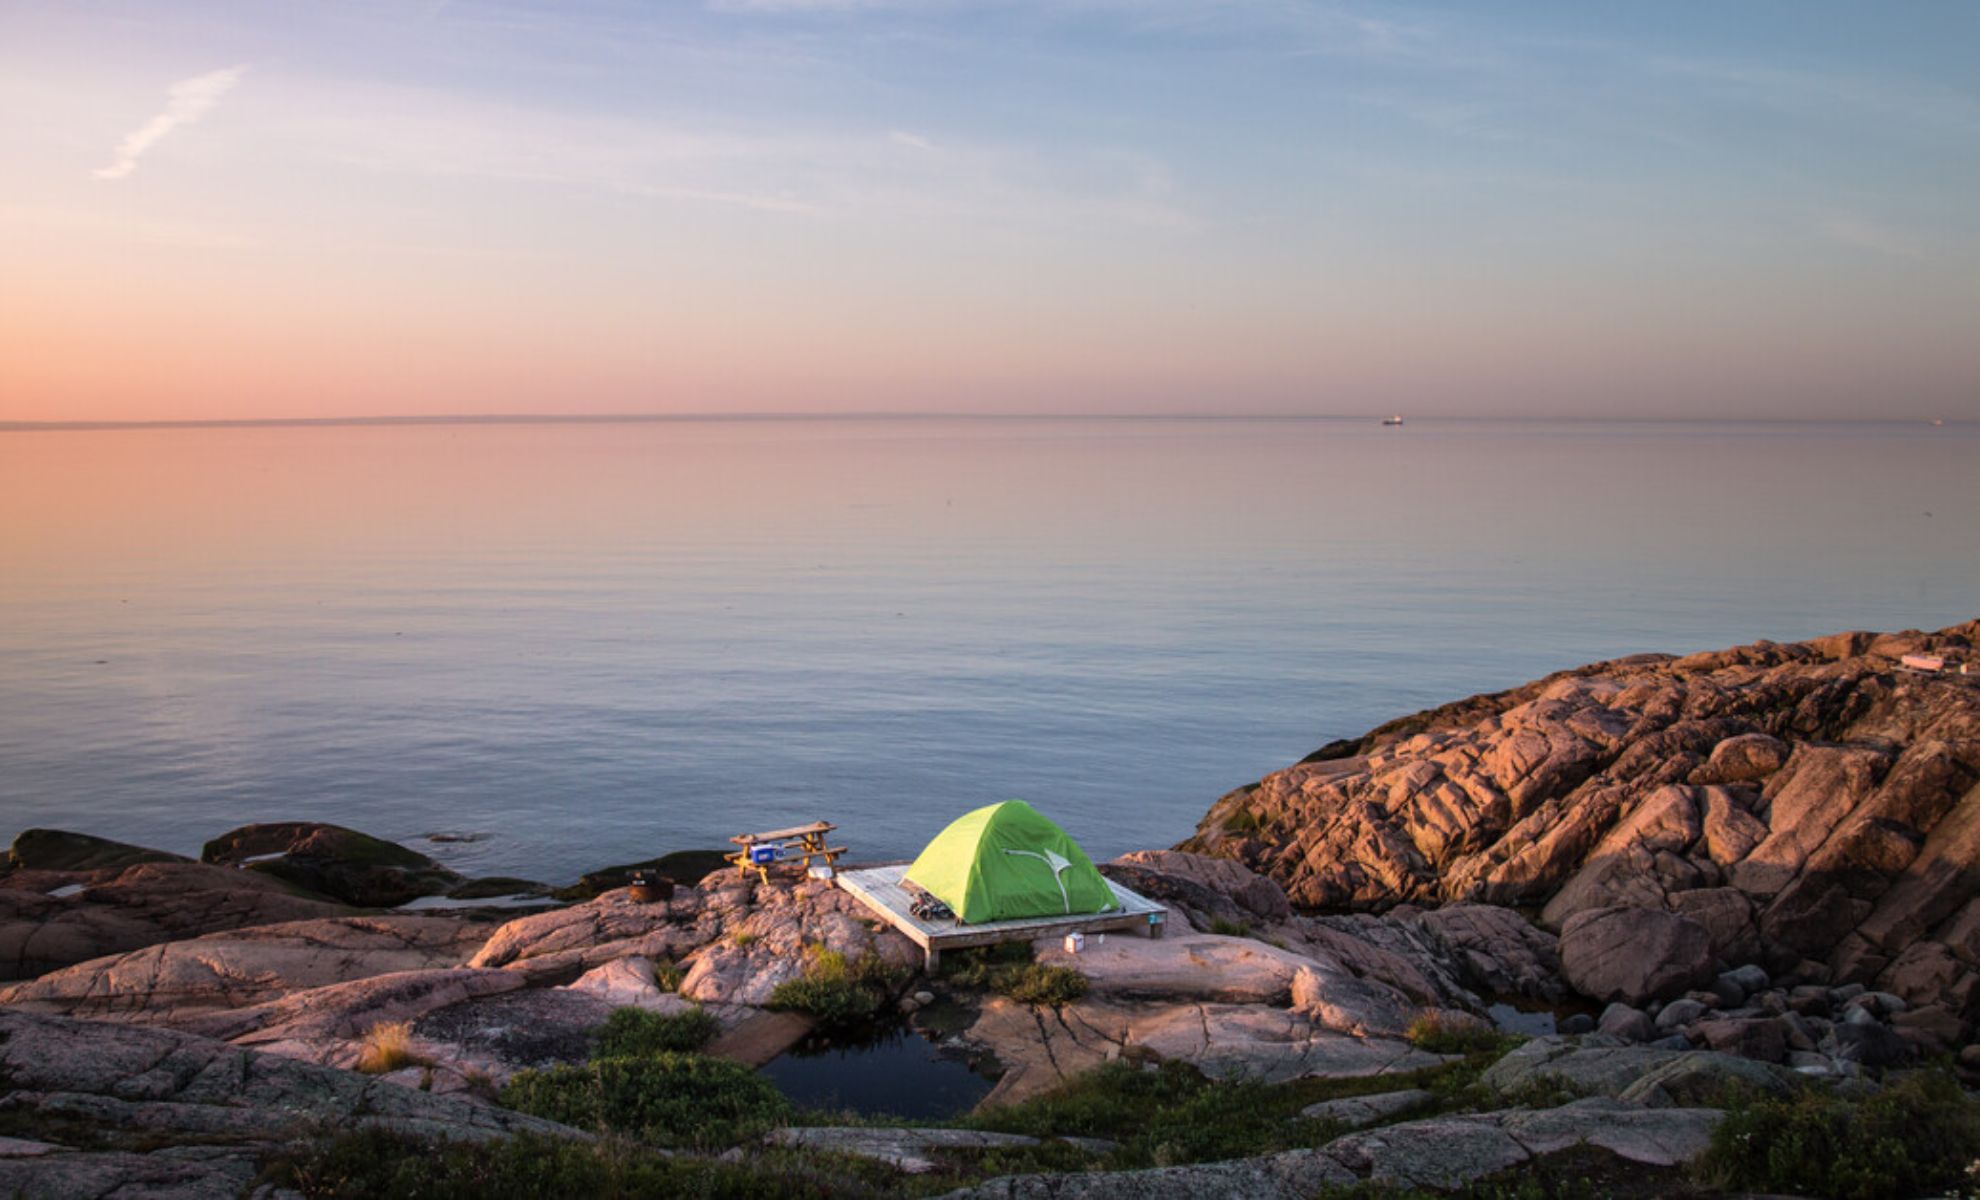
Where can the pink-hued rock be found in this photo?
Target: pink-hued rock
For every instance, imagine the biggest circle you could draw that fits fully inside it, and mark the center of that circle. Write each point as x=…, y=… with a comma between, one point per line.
x=1040, y=1051
x=1188, y=966
x=766, y=935
x=1255, y=896
x=1634, y=955
x=1838, y=796
x=168, y=984
x=125, y=909
x=567, y=942
x=1744, y=759
x=629, y=983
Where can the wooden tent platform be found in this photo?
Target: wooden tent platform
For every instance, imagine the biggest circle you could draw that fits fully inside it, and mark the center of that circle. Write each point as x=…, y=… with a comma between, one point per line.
x=879, y=888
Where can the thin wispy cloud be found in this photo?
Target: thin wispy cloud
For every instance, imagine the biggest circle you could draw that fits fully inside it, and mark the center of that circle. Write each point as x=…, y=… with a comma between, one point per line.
x=187, y=101
x=1863, y=233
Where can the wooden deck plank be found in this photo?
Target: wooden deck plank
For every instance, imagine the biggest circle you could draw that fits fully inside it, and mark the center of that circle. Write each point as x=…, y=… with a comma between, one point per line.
x=880, y=889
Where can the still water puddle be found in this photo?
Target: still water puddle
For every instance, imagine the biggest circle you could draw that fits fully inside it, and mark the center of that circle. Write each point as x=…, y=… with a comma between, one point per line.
x=897, y=1073
x=1535, y=1023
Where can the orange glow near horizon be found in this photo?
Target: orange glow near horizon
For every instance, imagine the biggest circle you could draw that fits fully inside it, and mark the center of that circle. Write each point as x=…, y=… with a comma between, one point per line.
x=214, y=215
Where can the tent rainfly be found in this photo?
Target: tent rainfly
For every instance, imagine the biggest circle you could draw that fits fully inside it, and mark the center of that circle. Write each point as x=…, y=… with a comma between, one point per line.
x=1006, y=862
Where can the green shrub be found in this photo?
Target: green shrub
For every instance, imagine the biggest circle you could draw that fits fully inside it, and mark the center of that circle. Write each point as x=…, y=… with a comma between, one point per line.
x=373, y=1163
x=1034, y=983
x=743, y=937
x=1243, y=821
x=973, y=967
x=668, y=976
x=666, y=1099
x=1914, y=1137
x=636, y=1032
x=1224, y=928
x=834, y=991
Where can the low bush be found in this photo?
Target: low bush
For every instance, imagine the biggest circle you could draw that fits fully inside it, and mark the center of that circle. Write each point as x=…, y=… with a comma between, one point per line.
x=834, y=991
x=636, y=1032
x=974, y=967
x=665, y=1099
x=668, y=976
x=1915, y=1137
x=1034, y=983
x=1008, y=970
x=1224, y=928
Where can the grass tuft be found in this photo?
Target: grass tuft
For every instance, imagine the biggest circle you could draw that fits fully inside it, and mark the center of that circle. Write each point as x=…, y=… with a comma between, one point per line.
x=1434, y=1032
x=386, y=1047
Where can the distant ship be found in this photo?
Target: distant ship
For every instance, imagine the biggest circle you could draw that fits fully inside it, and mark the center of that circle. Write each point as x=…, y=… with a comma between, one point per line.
x=1391, y=420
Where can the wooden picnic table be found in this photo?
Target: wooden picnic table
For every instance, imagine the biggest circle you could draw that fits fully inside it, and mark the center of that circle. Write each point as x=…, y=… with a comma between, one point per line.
x=805, y=843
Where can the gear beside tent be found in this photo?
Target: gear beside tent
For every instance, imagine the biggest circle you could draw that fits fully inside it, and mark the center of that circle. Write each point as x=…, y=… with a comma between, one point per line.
x=1009, y=861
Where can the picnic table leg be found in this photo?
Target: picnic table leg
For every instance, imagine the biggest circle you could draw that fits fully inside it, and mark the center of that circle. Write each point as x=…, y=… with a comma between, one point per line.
x=931, y=960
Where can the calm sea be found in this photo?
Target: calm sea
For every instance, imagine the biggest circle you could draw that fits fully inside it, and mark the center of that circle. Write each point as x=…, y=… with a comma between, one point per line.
x=599, y=642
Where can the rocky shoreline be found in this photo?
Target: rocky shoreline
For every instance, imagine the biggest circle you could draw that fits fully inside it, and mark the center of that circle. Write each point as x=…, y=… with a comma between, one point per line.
x=1747, y=874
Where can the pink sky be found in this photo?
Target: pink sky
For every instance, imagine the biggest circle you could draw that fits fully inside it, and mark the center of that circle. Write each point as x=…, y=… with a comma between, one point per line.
x=508, y=209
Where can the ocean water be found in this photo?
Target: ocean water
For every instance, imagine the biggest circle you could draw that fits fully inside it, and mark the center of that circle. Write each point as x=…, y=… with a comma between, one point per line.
x=590, y=643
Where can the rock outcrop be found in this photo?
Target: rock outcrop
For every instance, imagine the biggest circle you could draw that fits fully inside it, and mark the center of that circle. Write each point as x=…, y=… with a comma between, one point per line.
x=215, y=1107
x=170, y=983
x=333, y=861
x=51, y=919
x=1813, y=807
x=1440, y=1153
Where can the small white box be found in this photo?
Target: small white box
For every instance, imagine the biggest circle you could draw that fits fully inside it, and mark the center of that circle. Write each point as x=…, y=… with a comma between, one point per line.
x=820, y=872
x=1075, y=942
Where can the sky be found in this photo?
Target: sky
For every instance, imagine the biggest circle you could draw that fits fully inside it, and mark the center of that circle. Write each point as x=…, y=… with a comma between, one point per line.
x=301, y=209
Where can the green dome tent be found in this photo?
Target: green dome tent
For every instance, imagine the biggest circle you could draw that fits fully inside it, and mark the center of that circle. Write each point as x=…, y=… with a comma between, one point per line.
x=1007, y=861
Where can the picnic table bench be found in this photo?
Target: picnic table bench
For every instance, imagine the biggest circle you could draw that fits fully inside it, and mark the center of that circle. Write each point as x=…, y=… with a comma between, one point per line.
x=761, y=851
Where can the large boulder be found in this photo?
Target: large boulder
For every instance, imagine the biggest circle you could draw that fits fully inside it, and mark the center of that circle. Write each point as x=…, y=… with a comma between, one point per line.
x=1498, y=952
x=60, y=850
x=333, y=861
x=1635, y=955
x=1182, y=966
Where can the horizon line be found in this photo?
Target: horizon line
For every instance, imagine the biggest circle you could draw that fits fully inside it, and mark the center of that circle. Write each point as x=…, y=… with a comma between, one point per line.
x=84, y=426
